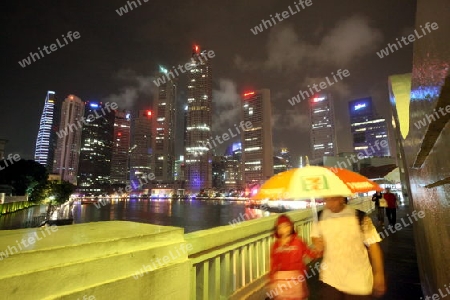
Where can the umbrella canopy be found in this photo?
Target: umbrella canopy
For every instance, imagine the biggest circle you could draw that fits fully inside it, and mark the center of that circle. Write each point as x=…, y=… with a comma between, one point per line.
x=314, y=182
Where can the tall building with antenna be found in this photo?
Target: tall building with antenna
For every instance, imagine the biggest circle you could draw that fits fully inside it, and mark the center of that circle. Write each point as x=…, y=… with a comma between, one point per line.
x=257, y=147
x=197, y=156
x=163, y=131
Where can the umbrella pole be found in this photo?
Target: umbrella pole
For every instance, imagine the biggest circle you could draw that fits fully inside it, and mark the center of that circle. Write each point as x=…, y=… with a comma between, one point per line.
x=314, y=210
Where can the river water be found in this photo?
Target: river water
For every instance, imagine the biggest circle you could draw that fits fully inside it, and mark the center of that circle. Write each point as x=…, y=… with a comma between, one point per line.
x=192, y=215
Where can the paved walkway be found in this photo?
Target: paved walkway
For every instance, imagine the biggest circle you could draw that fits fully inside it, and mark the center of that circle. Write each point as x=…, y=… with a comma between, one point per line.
x=402, y=273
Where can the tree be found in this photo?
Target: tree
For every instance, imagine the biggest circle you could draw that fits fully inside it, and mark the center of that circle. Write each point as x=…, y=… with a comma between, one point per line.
x=61, y=191
x=52, y=191
x=23, y=175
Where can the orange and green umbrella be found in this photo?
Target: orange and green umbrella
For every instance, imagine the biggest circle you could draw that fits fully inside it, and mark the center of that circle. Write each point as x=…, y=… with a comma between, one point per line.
x=313, y=182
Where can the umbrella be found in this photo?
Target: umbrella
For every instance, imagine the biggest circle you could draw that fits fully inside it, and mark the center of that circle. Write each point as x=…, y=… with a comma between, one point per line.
x=313, y=182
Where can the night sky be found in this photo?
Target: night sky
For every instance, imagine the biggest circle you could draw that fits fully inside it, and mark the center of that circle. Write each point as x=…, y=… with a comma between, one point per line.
x=116, y=57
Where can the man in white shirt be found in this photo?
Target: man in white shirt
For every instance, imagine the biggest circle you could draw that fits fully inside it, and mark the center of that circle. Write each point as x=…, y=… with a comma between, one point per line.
x=349, y=248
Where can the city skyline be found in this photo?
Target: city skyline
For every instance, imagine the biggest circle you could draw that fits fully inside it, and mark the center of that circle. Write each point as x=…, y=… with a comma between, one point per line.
x=124, y=74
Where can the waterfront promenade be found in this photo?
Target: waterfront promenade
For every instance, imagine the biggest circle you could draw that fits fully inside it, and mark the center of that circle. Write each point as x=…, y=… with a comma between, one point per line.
x=402, y=273
x=233, y=266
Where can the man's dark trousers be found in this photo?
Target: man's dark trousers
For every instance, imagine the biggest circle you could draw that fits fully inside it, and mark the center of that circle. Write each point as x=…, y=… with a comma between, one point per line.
x=391, y=214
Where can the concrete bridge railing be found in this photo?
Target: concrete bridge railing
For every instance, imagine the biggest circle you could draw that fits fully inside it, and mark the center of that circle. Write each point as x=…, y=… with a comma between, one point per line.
x=231, y=262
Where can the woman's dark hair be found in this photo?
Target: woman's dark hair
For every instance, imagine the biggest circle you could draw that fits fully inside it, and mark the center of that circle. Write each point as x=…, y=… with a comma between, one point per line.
x=282, y=219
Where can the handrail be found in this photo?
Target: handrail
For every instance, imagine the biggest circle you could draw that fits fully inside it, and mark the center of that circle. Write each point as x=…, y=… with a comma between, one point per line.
x=227, y=259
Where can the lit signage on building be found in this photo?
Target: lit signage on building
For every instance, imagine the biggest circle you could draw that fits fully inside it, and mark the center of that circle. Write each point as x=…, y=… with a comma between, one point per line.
x=236, y=146
x=318, y=99
x=93, y=105
x=249, y=94
x=360, y=105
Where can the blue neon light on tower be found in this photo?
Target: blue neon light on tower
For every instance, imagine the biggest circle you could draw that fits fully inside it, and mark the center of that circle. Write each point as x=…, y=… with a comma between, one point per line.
x=45, y=142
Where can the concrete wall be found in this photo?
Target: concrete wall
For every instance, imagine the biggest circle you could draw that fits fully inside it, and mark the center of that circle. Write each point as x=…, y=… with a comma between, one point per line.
x=101, y=259
x=425, y=138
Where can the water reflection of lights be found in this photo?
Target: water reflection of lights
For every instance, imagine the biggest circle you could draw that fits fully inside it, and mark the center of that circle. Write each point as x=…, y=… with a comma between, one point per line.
x=289, y=204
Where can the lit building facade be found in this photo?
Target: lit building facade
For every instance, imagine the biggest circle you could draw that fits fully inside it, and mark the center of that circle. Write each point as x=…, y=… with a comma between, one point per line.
x=197, y=156
x=323, y=135
x=279, y=165
x=46, y=137
x=233, y=167
x=369, y=131
x=141, y=151
x=285, y=154
x=257, y=148
x=121, y=146
x=94, y=168
x=69, y=139
x=163, y=141
x=218, y=172
x=178, y=172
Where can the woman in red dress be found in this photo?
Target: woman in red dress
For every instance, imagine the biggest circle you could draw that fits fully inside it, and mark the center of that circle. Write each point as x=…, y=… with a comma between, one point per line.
x=287, y=270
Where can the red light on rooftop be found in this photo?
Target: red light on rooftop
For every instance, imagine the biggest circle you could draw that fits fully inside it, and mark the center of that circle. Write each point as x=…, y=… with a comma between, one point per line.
x=149, y=113
x=119, y=134
x=249, y=94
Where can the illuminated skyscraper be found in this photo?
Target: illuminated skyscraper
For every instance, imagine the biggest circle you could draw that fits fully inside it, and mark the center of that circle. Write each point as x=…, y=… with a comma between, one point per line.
x=69, y=139
x=198, y=157
x=121, y=146
x=163, y=129
x=141, y=151
x=233, y=167
x=94, y=167
x=46, y=138
x=323, y=135
x=257, y=148
x=368, y=129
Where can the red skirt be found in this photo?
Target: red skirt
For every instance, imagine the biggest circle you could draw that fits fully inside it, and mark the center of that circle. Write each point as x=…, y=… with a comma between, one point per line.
x=288, y=285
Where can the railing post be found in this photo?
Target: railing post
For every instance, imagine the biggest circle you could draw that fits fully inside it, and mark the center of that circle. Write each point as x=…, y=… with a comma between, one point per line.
x=193, y=283
x=215, y=282
x=226, y=275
